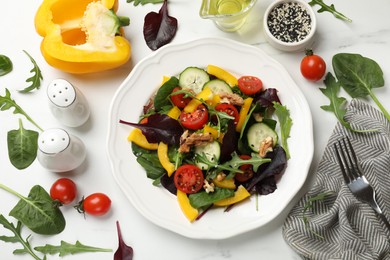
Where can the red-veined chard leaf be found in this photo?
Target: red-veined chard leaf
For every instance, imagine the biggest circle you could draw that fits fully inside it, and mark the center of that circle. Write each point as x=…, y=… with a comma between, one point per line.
x=124, y=252
x=159, y=28
x=160, y=128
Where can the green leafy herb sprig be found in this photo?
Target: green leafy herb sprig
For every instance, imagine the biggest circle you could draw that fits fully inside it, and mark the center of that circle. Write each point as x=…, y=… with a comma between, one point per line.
x=66, y=248
x=5, y=65
x=285, y=121
x=35, y=79
x=329, y=8
x=143, y=2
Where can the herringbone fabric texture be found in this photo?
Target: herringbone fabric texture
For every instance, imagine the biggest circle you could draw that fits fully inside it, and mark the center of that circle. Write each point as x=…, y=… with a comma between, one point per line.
x=350, y=229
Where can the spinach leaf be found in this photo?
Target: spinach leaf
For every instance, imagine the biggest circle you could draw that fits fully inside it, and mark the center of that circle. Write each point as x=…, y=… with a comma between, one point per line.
x=22, y=146
x=143, y=2
x=7, y=102
x=37, y=211
x=66, y=248
x=149, y=161
x=285, y=122
x=35, y=79
x=159, y=28
x=203, y=199
x=5, y=65
x=329, y=8
x=17, y=238
x=162, y=96
x=358, y=75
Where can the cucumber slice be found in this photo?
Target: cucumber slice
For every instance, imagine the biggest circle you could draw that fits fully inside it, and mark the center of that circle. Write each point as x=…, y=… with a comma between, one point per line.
x=257, y=133
x=218, y=86
x=193, y=78
x=212, y=151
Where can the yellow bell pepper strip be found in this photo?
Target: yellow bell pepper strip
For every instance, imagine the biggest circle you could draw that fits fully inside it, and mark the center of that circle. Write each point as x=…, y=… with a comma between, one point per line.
x=162, y=153
x=225, y=183
x=214, y=132
x=243, y=113
x=138, y=138
x=205, y=94
x=240, y=194
x=222, y=74
x=174, y=112
x=185, y=206
x=82, y=36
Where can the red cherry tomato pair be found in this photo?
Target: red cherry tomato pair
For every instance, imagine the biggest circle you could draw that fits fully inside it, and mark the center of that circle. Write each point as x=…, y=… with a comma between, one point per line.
x=64, y=190
x=313, y=67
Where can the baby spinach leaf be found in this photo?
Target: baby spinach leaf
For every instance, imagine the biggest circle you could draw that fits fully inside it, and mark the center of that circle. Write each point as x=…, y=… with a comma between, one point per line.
x=329, y=8
x=17, y=238
x=285, y=122
x=143, y=2
x=7, y=103
x=38, y=211
x=22, y=146
x=203, y=199
x=35, y=79
x=358, y=75
x=124, y=251
x=159, y=28
x=5, y=65
x=162, y=96
x=66, y=248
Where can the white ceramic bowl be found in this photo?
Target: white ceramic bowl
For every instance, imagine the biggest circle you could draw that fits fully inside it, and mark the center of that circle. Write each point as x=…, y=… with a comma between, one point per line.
x=285, y=45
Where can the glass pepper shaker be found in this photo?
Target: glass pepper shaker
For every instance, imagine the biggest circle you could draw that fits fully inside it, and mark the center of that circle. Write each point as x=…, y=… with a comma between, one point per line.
x=67, y=103
x=58, y=151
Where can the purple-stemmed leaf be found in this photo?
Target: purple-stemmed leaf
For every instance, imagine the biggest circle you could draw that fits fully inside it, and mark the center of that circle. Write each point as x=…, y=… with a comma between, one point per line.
x=267, y=97
x=159, y=28
x=124, y=252
x=160, y=128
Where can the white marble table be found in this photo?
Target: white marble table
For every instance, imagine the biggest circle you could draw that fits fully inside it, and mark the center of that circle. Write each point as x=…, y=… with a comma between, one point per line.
x=368, y=34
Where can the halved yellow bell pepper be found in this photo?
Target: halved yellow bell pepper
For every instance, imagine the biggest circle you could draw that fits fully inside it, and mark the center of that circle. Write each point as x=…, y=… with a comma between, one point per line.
x=82, y=36
x=138, y=138
x=240, y=194
x=222, y=74
x=162, y=153
x=185, y=206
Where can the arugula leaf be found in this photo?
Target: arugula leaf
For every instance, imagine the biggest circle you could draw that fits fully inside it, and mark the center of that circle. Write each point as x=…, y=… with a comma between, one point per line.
x=66, y=248
x=37, y=211
x=7, y=102
x=17, y=238
x=337, y=104
x=5, y=65
x=22, y=146
x=35, y=79
x=143, y=2
x=285, y=122
x=358, y=75
x=329, y=8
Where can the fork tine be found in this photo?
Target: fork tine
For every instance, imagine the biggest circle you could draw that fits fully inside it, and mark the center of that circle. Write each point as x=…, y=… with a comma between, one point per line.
x=341, y=160
x=352, y=158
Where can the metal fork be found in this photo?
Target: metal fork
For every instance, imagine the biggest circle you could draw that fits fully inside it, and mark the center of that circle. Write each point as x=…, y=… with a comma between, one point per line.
x=353, y=176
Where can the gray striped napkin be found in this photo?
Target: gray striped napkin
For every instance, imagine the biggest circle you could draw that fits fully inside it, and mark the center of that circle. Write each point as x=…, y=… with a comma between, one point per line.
x=340, y=226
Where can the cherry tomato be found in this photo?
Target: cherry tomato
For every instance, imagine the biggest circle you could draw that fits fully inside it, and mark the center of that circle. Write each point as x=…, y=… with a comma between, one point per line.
x=179, y=100
x=188, y=178
x=313, y=67
x=63, y=190
x=250, y=85
x=195, y=120
x=96, y=204
x=246, y=168
x=230, y=110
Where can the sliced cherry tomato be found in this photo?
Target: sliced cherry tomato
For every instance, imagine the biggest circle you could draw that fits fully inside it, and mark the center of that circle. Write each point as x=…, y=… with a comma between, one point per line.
x=63, y=190
x=246, y=168
x=250, y=85
x=96, y=204
x=195, y=120
x=230, y=110
x=313, y=67
x=188, y=178
x=179, y=100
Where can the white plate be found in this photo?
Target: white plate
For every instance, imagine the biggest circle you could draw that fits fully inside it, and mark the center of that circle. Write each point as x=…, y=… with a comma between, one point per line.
x=160, y=206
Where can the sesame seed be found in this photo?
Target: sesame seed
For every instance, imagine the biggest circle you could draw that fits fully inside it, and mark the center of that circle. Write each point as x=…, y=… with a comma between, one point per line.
x=289, y=22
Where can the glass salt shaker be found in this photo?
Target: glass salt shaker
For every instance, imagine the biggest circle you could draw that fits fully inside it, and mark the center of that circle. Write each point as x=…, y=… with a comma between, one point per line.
x=58, y=151
x=67, y=103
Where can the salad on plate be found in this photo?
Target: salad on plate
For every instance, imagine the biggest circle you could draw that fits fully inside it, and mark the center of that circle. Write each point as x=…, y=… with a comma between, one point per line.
x=212, y=139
